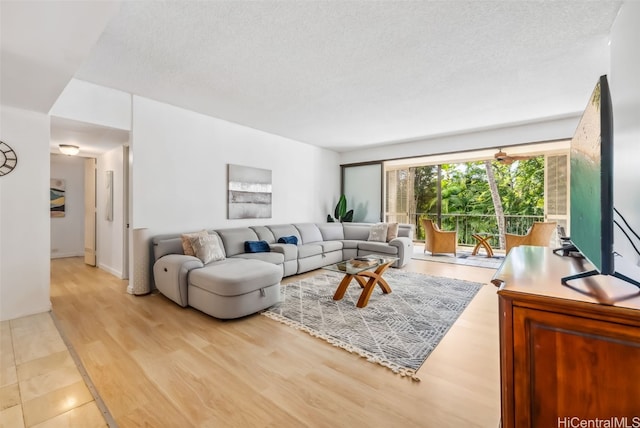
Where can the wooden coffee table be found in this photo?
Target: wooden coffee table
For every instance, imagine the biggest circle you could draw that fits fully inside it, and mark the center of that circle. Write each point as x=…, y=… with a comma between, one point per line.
x=367, y=276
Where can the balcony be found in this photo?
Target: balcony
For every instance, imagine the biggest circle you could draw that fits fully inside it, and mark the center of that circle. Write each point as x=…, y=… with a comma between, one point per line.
x=468, y=224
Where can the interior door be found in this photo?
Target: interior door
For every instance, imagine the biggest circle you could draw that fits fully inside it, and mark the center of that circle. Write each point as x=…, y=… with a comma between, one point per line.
x=90, y=211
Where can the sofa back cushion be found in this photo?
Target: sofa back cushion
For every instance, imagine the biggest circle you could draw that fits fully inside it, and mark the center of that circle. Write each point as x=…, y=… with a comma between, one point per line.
x=356, y=231
x=264, y=234
x=234, y=239
x=331, y=231
x=280, y=230
x=309, y=232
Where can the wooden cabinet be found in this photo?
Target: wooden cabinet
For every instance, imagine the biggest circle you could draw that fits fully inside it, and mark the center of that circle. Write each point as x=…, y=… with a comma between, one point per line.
x=567, y=354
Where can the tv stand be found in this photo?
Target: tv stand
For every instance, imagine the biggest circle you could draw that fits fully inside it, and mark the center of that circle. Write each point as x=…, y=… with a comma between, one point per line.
x=567, y=250
x=565, y=354
x=586, y=274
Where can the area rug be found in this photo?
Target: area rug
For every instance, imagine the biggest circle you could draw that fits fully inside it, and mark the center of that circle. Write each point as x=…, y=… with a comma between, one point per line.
x=396, y=330
x=462, y=258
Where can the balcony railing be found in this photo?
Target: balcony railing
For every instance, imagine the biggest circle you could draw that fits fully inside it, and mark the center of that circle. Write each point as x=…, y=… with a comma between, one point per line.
x=468, y=224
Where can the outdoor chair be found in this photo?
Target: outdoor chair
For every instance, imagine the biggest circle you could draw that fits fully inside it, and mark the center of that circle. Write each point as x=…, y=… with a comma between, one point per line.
x=538, y=235
x=438, y=241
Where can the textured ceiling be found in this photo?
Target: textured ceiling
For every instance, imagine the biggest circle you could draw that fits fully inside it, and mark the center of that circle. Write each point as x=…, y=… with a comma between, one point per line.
x=344, y=75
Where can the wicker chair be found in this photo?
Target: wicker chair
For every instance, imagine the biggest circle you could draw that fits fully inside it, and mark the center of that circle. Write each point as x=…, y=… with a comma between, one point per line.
x=438, y=241
x=539, y=235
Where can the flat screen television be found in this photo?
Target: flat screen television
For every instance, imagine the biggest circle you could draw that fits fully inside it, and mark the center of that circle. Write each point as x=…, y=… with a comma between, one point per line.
x=591, y=185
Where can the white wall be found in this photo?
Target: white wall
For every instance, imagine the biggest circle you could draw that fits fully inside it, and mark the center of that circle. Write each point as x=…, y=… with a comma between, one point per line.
x=87, y=102
x=180, y=170
x=179, y=178
x=110, y=233
x=624, y=82
x=67, y=233
x=494, y=138
x=24, y=215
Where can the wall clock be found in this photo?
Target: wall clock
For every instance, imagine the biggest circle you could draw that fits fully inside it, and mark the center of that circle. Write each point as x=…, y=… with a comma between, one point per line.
x=8, y=159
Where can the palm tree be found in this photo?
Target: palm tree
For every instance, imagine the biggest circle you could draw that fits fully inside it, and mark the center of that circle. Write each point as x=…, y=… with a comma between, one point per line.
x=497, y=202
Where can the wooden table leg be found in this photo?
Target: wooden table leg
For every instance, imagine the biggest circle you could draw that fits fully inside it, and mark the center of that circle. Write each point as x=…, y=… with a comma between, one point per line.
x=375, y=278
x=482, y=242
x=342, y=288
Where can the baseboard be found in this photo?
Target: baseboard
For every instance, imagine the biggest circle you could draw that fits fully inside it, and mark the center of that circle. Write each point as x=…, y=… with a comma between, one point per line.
x=111, y=270
x=65, y=255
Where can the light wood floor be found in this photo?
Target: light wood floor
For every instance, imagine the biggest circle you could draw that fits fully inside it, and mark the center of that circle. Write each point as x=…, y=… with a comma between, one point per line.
x=159, y=365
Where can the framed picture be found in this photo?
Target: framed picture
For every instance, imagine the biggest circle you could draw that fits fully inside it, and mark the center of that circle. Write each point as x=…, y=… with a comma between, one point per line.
x=249, y=192
x=109, y=195
x=57, y=197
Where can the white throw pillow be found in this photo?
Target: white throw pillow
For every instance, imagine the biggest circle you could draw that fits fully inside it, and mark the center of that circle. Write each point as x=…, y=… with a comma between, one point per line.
x=208, y=248
x=378, y=232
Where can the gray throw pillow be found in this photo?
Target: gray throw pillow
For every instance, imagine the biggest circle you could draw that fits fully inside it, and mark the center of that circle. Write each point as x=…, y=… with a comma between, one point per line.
x=378, y=232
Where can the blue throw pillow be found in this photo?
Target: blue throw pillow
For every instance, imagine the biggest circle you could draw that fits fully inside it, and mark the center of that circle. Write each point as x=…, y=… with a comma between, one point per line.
x=288, y=240
x=256, y=247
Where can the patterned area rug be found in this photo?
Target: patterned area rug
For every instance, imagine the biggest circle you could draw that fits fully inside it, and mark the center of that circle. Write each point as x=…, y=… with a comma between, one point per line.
x=397, y=330
x=463, y=258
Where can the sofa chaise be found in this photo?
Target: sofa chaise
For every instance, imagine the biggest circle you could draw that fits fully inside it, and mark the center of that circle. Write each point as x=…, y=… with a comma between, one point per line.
x=240, y=282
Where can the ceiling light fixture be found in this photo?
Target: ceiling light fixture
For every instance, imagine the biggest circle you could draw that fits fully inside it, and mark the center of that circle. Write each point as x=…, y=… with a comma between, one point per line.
x=69, y=149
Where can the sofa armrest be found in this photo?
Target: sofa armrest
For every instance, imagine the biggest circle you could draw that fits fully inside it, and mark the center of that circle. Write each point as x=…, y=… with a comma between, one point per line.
x=170, y=274
x=289, y=251
x=405, y=250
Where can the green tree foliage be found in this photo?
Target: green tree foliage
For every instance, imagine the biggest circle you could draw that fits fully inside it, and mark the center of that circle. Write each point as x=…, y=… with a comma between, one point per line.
x=425, y=182
x=465, y=191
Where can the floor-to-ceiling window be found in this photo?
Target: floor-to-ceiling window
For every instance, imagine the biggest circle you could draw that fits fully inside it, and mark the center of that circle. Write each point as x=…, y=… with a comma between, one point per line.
x=456, y=190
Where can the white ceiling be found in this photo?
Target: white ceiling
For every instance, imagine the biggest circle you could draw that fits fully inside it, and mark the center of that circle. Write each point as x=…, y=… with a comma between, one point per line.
x=337, y=74
x=344, y=75
x=92, y=140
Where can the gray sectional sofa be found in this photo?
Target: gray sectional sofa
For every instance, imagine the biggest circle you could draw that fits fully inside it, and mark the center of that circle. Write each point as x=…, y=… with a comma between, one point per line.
x=243, y=283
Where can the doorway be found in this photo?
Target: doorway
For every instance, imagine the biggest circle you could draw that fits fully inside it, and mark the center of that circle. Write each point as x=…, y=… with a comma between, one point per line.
x=100, y=194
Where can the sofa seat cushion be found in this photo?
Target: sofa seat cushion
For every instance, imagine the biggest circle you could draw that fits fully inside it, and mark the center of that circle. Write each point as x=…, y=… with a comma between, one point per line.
x=270, y=257
x=235, y=277
x=378, y=247
x=329, y=246
x=309, y=250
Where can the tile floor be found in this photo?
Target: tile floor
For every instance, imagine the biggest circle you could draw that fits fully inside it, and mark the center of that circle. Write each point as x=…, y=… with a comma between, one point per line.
x=40, y=384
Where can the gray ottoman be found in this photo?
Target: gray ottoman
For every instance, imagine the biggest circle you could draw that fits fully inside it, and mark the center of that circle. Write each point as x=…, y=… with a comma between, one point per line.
x=234, y=289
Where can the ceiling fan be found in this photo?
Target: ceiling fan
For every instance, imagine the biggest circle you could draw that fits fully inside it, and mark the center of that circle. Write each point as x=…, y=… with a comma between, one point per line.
x=504, y=158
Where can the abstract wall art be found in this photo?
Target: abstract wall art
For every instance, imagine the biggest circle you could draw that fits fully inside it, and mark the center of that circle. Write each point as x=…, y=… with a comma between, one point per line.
x=56, y=195
x=249, y=192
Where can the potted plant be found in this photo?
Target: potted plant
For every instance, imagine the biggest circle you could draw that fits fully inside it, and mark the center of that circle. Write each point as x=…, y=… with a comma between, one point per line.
x=341, y=214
